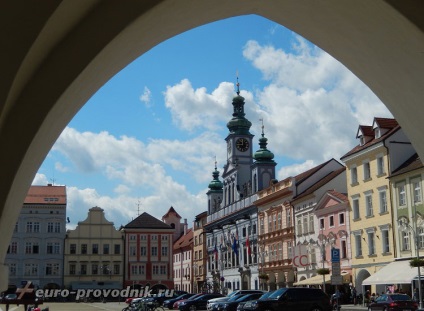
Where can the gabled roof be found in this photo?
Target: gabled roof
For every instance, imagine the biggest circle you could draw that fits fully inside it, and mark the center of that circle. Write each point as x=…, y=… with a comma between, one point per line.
x=46, y=195
x=413, y=163
x=327, y=196
x=184, y=240
x=385, y=123
x=305, y=175
x=171, y=210
x=364, y=130
x=390, y=124
x=147, y=221
x=320, y=183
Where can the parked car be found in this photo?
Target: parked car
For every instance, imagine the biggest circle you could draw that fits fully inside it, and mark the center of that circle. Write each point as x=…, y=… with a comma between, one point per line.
x=199, y=303
x=294, y=299
x=247, y=306
x=169, y=303
x=393, y=302
x=177, y=303
x=233, y=302
x=160, y=298
x=212, y=302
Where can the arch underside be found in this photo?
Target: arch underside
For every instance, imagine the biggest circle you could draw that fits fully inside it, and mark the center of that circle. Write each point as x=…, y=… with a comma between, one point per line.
x=56, y=54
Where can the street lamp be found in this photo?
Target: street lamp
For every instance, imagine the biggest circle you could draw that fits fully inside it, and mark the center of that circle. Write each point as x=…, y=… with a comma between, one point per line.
x=405, y=227
x=321, y=243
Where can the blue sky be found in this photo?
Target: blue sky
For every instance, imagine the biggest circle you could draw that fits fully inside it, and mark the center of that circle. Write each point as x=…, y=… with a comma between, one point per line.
x=149, y=137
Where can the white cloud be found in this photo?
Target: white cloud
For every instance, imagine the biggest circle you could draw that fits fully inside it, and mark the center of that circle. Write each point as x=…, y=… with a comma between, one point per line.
x=146, y=97
x=40, y=180
x=196, y=109
x=312, y=105
x=295, y=169
x=60, y=167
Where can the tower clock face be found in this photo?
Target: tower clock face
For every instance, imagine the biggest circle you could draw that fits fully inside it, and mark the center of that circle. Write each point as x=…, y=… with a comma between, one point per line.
x=242, y=144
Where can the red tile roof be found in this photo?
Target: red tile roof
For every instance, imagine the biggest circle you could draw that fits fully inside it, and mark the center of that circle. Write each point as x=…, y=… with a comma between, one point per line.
x=147, y=221
x=46, y=195
x=184, y=240
x=171, y=210
x=387, y=123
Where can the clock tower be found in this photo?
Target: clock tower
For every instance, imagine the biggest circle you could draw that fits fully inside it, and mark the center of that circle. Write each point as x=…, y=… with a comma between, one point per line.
x=237, y=171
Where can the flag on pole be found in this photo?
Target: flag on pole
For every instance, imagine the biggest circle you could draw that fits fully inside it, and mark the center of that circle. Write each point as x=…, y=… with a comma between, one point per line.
x=249, y=251
x=216, y=253
x=235, y=246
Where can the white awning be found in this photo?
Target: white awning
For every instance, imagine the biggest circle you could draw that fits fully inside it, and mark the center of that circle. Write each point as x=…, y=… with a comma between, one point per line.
x=318, y=279
x=397, y=272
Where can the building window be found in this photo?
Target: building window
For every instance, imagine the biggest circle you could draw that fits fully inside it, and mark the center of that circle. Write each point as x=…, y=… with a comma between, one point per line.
x=52, y=269
x=29, y=227
x=402, y=195
x=289, y=249
x=262, y=226
x=353, y=175
x=143, y=251
x=367, y=171
x=72, y=269
x=83, y=269
x=355, y=208
x=57, y=227
x=50, y=227
x=305, y=224
x=368, y=205
x=132, y=250
x=380, y=166
x=321, y=224
x=164, y=251
x=94, y=269
x=405, y=241
x=343, y=249
x=84, y=249
x=12, y=269
x=116, y=269
x=279, y=220
x=371, y=243
x=331, y=219
x=385, y=240
x=105, y=249
x=31, y=269
x=73, y=249
x=143, y=237
x=421, y=237
x=13, y=248
x=36, y=227
x=95, y=248
x=154, y=251
x=358, y=245
x=299, y=225
x=311, y=223
x=154, y=237
x=288, y=218
x=341, y=219
x=417, y=191
x=117, y=249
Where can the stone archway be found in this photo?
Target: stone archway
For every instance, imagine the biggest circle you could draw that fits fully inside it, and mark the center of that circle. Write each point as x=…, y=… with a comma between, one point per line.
x=42, y=62
x=361, y=275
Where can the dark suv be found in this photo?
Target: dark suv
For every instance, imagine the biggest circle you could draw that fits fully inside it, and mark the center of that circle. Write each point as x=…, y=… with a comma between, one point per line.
x=294, y=299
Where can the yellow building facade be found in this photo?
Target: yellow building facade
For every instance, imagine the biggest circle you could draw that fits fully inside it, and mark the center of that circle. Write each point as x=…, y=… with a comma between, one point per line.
x=368, y=166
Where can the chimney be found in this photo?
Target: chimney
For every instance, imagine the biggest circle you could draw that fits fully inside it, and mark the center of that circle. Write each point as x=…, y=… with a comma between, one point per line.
x=185, y=226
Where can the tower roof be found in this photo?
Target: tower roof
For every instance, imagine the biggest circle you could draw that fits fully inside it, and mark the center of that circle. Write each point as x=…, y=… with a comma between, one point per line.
x=239, y=124
x=215, y=185
x=263, y=155
x=171, y=210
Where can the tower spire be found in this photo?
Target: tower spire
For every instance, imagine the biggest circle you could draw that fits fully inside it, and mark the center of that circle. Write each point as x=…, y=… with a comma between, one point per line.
x=238, y=84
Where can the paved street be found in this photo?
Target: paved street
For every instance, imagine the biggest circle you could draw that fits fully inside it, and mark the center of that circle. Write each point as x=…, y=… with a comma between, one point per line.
x=115, y=306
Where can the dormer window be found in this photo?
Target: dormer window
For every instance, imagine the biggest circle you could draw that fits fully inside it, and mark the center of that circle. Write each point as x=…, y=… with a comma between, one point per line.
x=377, y=132
x=361, y=140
